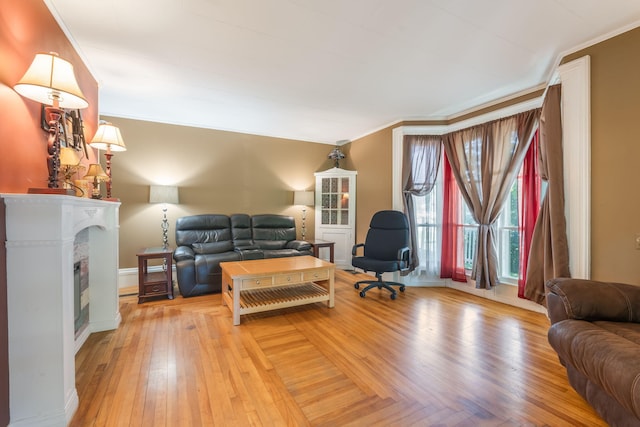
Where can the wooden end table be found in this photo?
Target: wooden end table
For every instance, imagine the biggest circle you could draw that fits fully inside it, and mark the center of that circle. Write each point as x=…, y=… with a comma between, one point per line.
x=156, y=283
x=317, y=244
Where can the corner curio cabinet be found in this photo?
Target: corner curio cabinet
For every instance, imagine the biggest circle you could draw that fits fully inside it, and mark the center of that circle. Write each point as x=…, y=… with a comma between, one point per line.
x=336, y=211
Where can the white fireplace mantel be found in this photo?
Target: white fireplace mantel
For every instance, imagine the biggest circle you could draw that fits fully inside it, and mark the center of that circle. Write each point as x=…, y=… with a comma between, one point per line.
x=41, y=229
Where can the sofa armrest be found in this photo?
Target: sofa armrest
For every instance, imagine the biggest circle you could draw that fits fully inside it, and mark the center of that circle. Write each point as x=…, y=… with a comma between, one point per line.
x=592, y=300
x=299, y=245
x=183, y=253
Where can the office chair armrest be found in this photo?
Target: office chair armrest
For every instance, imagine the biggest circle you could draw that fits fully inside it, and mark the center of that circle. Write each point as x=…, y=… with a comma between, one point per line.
x=355, y=248
x=404, y=256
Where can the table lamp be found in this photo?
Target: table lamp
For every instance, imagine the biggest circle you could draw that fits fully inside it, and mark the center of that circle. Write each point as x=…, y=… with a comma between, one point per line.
x=304, y=199
x=96, y=173
x=108, y=138
x=50, y=80
x=164, y=194
x=69, y=166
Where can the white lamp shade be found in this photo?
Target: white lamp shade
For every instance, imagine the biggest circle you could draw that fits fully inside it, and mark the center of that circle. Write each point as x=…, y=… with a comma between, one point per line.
x=303, y=198
x=108, y=137
x=163, y=194
x=49, y=78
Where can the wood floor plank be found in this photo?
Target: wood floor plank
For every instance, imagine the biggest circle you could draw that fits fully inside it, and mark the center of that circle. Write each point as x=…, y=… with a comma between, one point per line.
x=430, y=357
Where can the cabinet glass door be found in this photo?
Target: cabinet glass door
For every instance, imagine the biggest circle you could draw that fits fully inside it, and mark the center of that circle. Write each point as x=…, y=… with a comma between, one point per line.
x=335, y=201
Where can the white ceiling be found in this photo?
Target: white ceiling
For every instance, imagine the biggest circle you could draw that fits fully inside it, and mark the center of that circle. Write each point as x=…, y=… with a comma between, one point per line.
x=325, y=70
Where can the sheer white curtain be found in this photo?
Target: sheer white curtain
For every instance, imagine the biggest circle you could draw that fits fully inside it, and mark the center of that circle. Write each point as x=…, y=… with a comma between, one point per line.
x=421, y=162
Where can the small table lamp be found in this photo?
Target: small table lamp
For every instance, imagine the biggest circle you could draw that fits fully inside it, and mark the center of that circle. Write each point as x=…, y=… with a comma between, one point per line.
x=50, y=80
x=164, y=194
x=304, y=199
x=97, y=173
x=108, y=138
x=69, y=165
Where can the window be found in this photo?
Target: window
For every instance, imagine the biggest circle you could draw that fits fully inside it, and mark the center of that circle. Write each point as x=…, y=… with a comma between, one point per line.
x=506, y=236
x=428, y=213
x=469, y=235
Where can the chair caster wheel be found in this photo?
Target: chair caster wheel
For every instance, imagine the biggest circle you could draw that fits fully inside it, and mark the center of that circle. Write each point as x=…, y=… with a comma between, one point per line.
x=401, y=288
x=357, y=286
x=393, y=296
x=362, y=294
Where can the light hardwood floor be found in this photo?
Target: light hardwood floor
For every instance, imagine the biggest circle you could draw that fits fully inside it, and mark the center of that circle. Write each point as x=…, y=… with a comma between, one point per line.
x=431, y=357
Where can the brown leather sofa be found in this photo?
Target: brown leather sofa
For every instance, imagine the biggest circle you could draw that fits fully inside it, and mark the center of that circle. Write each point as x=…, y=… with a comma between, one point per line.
x=595, y=329
x=204, y=241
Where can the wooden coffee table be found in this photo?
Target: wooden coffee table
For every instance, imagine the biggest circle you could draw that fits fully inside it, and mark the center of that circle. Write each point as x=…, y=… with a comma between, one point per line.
x=260, y=285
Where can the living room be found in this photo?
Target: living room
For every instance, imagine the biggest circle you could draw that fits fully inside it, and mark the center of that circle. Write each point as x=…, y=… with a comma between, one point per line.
x=226, y=172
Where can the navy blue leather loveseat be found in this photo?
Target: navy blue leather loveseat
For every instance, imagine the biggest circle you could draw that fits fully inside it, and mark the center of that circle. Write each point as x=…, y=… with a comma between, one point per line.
x=204, y=241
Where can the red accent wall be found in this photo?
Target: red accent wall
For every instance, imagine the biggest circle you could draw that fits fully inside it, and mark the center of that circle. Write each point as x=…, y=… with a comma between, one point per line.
x=26, y=28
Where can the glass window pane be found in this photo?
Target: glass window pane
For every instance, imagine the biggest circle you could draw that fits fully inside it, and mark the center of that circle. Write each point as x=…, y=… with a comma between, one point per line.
x=325, y=185
x=325, y=216
x=345, y=185
x=470, y=238
x=344, y=201
x=325, y=201
x=334, y=201
x=513, y=205
x=514, y=254
x=334, y=185
x=344, y=217
x=334, y=217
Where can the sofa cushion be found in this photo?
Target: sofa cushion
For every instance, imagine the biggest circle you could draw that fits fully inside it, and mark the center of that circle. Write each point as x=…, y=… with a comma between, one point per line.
x=280, y=253
x=208, y=266
x=241, y=231
x=268, y=244
x=202, y=229
x=212, y=247
x=605, y=353
x=628, y=331
x=272, y=232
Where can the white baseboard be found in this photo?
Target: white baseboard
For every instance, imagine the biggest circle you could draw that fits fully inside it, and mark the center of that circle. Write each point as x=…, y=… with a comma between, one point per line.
x=506, y=294
x=129, y=276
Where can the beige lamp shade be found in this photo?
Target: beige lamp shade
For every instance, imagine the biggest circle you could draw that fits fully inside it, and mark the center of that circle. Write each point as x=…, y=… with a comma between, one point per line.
x=50, y=80
x=95, y=171
x=69, y=157
x=303, y=198
x=108, y=137
x=163, y=194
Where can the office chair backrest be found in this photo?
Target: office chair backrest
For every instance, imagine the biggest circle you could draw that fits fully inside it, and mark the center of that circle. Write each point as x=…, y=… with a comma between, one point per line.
x=388, y=232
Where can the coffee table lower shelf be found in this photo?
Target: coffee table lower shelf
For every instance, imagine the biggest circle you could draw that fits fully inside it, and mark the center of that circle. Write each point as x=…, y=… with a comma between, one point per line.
x=265, y=299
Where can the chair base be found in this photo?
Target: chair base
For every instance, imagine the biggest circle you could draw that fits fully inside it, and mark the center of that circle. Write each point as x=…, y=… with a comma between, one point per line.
x=379, y=283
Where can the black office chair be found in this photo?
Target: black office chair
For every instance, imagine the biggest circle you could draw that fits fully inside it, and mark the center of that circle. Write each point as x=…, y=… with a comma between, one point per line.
x=386, y=249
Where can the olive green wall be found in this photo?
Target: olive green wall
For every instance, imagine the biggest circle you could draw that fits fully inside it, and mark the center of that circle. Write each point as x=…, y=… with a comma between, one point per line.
x=615, y=153
x=216, y=172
